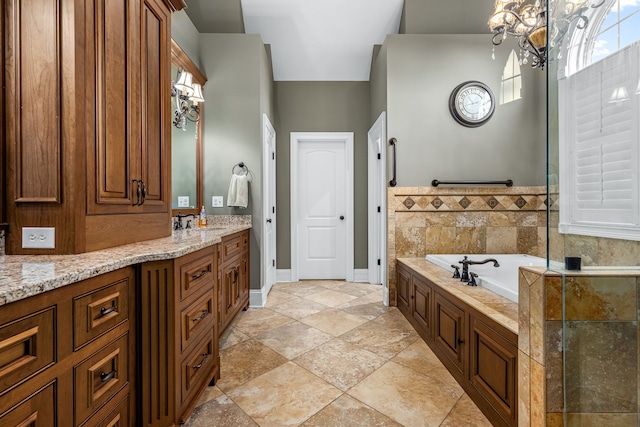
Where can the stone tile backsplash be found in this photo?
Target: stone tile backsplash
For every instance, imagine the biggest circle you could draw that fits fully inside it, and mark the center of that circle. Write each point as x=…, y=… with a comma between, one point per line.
x=426, y=220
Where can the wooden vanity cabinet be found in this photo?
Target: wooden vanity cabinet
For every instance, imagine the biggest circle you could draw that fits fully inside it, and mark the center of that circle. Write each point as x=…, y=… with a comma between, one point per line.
x=234, y=289
x=66, y=354
x=480, y=353
x=178, y=346
x=86, y=109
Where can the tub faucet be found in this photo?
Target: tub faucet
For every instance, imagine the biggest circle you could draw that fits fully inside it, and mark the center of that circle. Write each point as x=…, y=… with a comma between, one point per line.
x=466, y=262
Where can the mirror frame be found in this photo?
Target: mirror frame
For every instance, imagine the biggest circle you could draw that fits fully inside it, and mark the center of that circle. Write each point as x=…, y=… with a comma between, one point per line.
x=179, y=57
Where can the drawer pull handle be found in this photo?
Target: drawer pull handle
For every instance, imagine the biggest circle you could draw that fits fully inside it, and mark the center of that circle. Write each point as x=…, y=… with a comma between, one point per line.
x=205, y=356
x=202, y=316
x=460, y=341
x=106, y=310
x=199, y=275
x=106, y=377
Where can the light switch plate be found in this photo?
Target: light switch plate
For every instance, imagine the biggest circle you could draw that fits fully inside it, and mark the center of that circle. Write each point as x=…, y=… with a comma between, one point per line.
x=183, y=201
x=38, y=237
x=217, y=202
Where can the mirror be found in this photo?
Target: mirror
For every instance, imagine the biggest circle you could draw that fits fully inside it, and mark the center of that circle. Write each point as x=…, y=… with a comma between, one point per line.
x=186, y=145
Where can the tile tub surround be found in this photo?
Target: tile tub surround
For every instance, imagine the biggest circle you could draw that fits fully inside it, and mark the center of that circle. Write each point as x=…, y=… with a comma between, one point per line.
x=476, y=220
x=601, y=309
x=22, y=276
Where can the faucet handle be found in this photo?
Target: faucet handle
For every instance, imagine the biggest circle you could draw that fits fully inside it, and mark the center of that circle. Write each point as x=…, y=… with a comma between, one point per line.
x=456, y=273
x=472, y=280
x=188, y=224
x=464, y=260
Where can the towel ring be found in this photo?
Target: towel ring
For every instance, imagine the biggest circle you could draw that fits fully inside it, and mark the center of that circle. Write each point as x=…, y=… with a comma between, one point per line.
x=242, y=166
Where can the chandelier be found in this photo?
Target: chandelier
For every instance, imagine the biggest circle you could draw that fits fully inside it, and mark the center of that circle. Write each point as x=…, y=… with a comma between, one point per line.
x=528, y=24
x=187, y=95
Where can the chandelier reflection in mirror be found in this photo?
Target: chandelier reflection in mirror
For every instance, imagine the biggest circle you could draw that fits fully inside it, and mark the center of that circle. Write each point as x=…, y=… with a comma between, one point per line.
x=528, y=24
x=187, y=95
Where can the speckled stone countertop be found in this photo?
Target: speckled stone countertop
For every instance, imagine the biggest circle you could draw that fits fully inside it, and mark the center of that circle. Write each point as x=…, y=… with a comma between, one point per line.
x=22, y=276
x=496, y=307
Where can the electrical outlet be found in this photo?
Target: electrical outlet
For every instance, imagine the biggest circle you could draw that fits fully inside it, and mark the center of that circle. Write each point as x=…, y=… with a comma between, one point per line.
x=217, y=202
x=38, y=237
x=183, y=201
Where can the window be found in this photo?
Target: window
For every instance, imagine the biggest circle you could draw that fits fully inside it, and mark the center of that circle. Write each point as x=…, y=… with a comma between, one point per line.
x=511, y=84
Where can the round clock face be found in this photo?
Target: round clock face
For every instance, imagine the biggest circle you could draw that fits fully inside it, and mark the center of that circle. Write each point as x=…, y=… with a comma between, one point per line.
x=471, y=103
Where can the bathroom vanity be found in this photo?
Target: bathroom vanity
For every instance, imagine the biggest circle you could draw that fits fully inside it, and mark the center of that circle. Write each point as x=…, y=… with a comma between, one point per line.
x=473, y=331
x=122, y=336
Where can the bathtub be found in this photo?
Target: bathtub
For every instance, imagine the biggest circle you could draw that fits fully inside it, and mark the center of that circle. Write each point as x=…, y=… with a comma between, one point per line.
x=502, y=280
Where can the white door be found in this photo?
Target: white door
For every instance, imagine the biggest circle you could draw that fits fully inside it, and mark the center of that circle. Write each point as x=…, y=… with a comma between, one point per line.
x=322, y=206
x=377, y=196
x=269, y=204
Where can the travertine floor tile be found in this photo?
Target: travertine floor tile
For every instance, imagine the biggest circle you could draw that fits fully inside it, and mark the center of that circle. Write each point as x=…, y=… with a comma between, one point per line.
x=285, y=396
x=245, y=361
x=277, y=297
x=293, y=339
x=340, y=363
x=359, y=289
x=256, y=321
x=347, y=411
x=220, y=412
x=334, y=322
x=302, y=289
x=330, y=298
x=209, y=394
x=465, y=413
x=232, y=336
x=386, y=335
x=419, y=357
x=299, y=308
x=410, y=398
x=368, y=311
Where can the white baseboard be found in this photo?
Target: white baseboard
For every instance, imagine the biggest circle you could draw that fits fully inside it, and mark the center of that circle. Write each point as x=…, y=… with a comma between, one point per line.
x=257, y=298
x=283, y=276
x=361, y=275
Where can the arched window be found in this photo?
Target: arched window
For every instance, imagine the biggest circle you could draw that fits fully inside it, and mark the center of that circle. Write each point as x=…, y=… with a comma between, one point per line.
x=511, y=84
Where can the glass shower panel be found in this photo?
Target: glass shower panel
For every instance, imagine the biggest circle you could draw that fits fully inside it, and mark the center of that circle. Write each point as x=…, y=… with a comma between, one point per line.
x=593, y=172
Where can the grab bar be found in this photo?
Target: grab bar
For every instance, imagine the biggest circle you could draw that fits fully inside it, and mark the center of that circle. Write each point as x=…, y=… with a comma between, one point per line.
x=508, y=182
x=393, y=142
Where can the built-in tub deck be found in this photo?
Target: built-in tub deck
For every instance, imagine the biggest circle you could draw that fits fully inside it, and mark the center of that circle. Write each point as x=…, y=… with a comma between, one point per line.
x=472, y=330
x=494, y=306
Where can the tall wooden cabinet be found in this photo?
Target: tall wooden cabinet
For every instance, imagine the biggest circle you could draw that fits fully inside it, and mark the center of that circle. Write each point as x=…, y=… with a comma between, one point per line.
x=87, y=121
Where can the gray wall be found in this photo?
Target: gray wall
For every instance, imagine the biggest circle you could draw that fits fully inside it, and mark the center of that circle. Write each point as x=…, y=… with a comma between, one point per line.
x=446, y=17
x=186, y=35
x=235, y=99
x=378, y=79
x=422, y=72
x=321, y=107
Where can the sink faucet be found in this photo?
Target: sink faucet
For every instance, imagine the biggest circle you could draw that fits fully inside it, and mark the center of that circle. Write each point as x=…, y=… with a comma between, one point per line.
x=177, y=225
x=466, y=262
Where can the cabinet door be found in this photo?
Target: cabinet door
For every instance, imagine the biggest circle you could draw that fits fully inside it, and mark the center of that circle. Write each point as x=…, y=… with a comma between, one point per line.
x=450, y=331
x=112, y=86
x=422, y=305
x=155, y=68
x=230, y=291
x=493, y=368
x=404, y=289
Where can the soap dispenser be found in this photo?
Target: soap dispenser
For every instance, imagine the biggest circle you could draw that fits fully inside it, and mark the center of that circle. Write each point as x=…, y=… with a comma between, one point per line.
x=203, y=218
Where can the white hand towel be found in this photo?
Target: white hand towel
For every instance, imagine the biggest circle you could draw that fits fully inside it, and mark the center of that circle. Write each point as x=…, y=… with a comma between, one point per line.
x=238, y=191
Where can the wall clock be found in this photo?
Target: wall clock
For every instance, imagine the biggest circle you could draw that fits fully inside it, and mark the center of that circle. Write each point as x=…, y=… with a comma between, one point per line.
x=471, y=103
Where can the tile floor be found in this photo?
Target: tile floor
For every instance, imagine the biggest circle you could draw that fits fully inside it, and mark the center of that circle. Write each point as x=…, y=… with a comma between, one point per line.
x=329, y=353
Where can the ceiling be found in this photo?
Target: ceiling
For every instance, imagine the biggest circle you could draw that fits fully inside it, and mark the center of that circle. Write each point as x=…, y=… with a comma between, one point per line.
x=324, y=40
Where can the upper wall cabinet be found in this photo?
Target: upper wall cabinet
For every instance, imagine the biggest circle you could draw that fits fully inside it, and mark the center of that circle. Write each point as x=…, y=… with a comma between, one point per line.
x=87, y=139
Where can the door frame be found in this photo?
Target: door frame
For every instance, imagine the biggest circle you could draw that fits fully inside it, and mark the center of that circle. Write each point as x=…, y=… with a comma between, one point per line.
x=377, y=198
x=301, y=137
x=268, y=175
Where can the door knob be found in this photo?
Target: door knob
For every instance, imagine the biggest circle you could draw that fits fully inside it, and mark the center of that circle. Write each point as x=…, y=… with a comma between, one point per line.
x=341, y=217
x=269, y=220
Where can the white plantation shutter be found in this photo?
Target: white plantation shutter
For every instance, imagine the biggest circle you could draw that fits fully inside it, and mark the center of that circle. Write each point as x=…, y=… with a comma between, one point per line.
x=600, y=193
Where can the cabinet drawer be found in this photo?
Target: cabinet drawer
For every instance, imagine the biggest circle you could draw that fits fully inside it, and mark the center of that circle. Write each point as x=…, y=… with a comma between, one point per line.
x=196, y=272
x=27, y=346
x=197, y=317
x=99, y=377
x=118, y=417
x=36, y=410
x=101, y=310
x=232, y=245
x=197, y=366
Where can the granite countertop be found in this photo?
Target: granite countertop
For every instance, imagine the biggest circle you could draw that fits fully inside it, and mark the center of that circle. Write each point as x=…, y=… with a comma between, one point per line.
x=22, y=276
x=496, y=307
